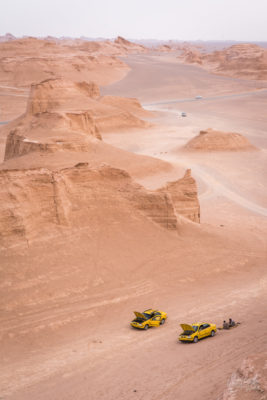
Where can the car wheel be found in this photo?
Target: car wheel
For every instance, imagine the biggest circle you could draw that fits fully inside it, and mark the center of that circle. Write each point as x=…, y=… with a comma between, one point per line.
x=146, y=327
x=212, y=333
x=162, y=321
x=195, y=339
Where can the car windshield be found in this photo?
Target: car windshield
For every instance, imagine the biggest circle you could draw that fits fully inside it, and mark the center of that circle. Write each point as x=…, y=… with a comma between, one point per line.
x=195, y=327
x=147, y=316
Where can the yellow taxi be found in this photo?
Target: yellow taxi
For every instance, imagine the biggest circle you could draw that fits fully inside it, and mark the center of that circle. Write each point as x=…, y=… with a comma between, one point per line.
x=194, y=332
x=148, y=318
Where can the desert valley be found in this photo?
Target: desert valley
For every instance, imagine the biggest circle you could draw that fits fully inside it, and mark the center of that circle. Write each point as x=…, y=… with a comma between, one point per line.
x=132, y=176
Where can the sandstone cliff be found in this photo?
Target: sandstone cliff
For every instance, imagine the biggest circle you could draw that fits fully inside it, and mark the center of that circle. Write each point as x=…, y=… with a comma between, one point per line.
x=184, y=198
x=41, y=203
x=240, y=60
x=62, y=114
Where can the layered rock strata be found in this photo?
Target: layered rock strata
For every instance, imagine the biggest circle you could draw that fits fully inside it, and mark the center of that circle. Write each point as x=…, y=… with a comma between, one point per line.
x=39, y=203
x=247, y=61
x=62, y=114
x=212, y=140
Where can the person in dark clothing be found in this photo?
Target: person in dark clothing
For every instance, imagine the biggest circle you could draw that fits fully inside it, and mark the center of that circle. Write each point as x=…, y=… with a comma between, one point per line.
x=231, y=323
x=225, y=325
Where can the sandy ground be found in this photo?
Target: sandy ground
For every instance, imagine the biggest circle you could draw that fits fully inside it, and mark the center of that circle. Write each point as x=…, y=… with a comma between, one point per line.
x=83, y=347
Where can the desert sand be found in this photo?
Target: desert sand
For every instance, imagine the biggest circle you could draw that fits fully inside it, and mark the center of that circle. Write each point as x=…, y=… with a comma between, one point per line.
x=103, y=212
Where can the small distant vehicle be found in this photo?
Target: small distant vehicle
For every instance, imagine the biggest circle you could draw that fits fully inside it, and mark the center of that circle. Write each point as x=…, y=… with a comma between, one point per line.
x=198, y=97
x=194, y=332
x=183, y=114
x=148, y=318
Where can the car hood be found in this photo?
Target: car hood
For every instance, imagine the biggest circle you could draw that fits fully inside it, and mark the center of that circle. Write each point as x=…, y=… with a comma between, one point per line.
x=139, y=315
x=187, y=327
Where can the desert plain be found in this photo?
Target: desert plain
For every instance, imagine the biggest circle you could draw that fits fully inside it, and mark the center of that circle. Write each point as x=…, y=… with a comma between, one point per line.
x=111, y=202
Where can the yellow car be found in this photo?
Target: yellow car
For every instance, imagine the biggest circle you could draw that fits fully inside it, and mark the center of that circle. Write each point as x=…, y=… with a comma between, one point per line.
x=148, y=318
x=194, y=332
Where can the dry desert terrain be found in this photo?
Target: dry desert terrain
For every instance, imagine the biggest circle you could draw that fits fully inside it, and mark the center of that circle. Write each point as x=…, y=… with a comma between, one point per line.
x=111, y=202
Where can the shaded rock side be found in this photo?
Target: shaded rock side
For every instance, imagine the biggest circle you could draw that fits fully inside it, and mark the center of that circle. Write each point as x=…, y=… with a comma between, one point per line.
x=40, y=203
x=183, y=194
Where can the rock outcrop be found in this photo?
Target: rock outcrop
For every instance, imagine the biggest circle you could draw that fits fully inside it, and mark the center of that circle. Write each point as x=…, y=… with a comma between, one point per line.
x=30, y=60
x=62, y=114
x=247, y=61
x=212, y=140
x=192, y=56
x=40, y=203
x=184, y=198
x=130, y=47
x=54, y=95
x=249, y=381
x=7, y=37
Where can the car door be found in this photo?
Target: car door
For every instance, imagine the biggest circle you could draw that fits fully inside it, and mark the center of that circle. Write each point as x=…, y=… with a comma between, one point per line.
x=155, y=321
x=201, y=331
x=205, y=330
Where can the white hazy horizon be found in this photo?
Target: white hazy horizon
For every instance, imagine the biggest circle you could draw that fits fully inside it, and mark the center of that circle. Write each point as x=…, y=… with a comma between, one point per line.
x=237, y=20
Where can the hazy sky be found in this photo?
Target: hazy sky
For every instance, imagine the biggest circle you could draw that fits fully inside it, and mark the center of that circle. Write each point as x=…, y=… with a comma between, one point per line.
x=161, y=19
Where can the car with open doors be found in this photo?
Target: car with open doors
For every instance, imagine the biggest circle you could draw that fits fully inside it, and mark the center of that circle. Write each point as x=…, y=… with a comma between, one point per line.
x=148, y=319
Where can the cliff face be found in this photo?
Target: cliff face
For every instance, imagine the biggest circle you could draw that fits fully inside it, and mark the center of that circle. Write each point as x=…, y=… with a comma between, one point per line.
x=54, y=95
x=39, y=203
x=184, y=198
x=67, y=115
x=240, y=60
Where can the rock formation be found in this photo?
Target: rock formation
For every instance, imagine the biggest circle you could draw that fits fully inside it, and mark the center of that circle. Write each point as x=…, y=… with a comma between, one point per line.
x=192, y=56
x=39, y=203
x=184, y=197
x=7, y=37
x=212, y=140
x=249, y=381
x=130, y=47
x=63, y=121
x=31, y=60
x=62, y=114
x=240, y=60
